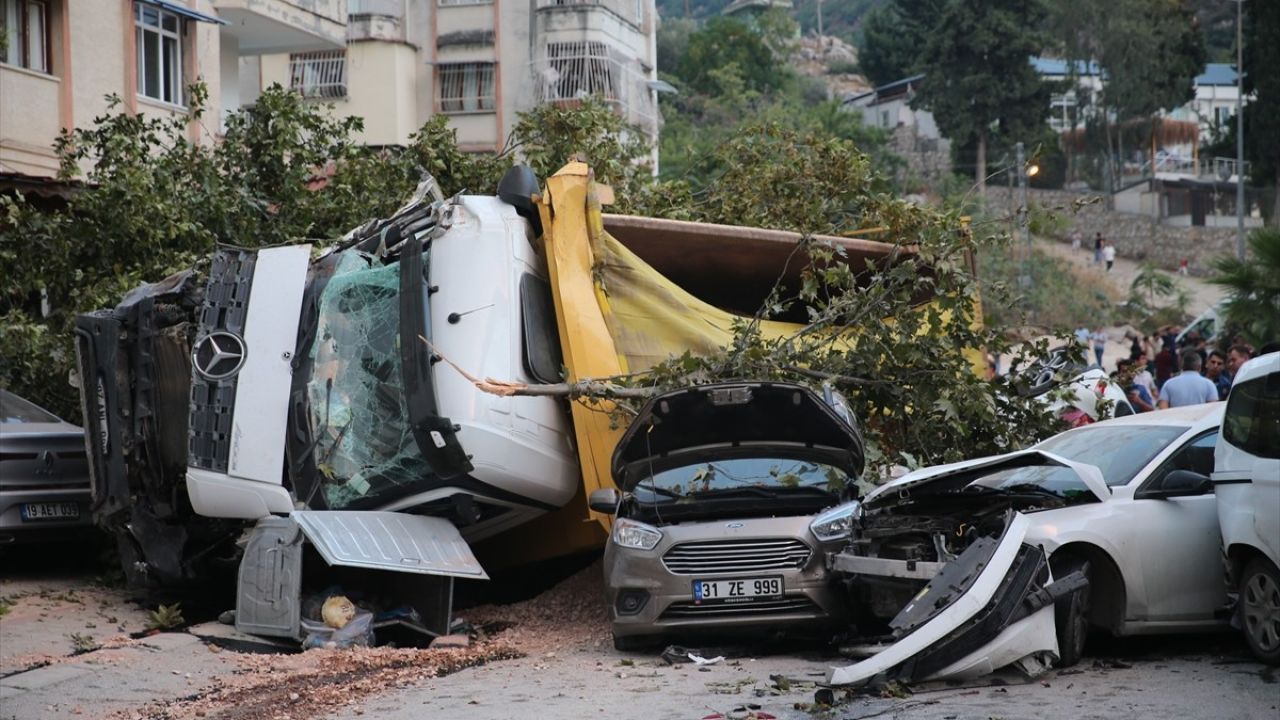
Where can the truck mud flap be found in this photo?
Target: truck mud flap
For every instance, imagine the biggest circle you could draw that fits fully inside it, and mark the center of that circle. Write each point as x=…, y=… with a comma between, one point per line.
x=400, y=559
x=990, y=607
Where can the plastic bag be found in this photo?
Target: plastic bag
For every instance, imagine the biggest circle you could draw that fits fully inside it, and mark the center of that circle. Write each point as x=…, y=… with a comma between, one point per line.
x=357, y=633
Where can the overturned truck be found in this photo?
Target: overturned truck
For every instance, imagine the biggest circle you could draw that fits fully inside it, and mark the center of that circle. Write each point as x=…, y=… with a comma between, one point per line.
x=279, y=410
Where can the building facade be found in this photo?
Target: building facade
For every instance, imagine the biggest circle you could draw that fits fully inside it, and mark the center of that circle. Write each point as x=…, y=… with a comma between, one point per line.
x=479, y=62
x=63, y=59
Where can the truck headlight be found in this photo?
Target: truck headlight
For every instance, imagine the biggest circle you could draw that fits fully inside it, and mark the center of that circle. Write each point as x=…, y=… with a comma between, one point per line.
x=632, y=534
x=836, y=523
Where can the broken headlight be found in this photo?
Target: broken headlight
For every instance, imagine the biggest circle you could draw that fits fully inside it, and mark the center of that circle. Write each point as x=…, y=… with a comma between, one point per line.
x=836, y=523
x=632, y=534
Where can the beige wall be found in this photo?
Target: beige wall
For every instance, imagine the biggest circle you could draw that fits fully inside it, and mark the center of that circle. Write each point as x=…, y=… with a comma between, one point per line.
x=92, y=57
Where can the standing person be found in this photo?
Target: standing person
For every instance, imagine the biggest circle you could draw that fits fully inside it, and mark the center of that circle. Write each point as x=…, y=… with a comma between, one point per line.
x=1099, y=339
x=1075, y=240
x=1109, y=255
x=1143, y=377
x=1164, y=364
x=1138, y=395
x=1216, y=371
x=1188, y=387
x=1081, y=334
x=1098, y=242
x=1238, y=355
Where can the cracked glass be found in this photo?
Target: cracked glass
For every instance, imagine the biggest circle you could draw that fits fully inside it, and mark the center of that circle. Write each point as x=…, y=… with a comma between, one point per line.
x=365, y=447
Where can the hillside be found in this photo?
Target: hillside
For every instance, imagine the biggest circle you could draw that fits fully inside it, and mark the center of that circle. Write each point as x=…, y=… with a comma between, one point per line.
x=840, y=18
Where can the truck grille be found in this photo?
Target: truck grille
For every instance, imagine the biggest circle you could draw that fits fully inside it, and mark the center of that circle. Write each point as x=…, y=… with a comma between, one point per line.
x=785, y=606
x=734, y=556
x=226, y=303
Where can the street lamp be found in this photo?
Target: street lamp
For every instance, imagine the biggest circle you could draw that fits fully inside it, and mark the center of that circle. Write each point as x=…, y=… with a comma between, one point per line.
x=1239, y=130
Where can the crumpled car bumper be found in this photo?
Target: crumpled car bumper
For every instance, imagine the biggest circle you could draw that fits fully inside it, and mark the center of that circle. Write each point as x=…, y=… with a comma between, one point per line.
x=989, y=608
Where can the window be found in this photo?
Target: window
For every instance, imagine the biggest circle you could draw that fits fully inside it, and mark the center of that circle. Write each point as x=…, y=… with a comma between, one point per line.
x=159, y=49
x=542, y=359
x=1196, y=456
x=319, y=74
x=1252, y=420
x=465, y=87
x=25, y=33
x=454, y=3
x=579, y=69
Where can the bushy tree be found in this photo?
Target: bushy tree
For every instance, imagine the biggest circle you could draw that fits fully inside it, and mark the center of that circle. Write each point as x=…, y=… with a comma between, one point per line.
x=1253, y=287
x=724, y=42
x=894, y=36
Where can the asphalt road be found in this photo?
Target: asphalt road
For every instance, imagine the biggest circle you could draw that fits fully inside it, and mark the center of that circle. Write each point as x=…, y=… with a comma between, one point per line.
x=67, y=651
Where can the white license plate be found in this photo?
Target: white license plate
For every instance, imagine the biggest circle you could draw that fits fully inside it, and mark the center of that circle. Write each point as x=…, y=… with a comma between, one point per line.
x=737, y=590
x=51, y=511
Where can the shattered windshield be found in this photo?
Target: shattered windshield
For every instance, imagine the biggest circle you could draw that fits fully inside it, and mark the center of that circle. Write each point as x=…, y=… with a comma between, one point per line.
x=765, y=476
x=365, y=449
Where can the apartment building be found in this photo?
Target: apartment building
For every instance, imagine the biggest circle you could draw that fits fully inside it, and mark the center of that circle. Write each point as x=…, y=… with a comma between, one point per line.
x=61, y=59
x=479, y=62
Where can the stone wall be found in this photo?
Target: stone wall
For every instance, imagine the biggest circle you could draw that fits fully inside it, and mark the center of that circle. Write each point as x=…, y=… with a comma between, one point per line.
x=927, y=158
x=1136, y=237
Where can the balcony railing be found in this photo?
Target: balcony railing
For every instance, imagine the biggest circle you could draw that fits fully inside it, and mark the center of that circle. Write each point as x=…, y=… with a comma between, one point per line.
x=569, y=72
x=319, y=74
x=629, y=10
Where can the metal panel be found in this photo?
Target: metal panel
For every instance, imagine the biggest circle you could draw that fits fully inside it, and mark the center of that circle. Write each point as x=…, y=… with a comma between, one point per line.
x=389, y=541
x=271, y=330
x=270, y=580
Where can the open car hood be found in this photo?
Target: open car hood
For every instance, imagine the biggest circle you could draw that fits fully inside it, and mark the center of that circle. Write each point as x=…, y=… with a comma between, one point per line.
x=711, y=418
x=914, y=482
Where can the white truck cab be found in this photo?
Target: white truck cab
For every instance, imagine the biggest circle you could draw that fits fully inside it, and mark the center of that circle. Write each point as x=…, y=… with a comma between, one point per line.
x=1246, y=478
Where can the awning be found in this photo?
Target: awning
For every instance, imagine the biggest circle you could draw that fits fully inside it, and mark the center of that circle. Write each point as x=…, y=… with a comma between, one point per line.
x=184, y=11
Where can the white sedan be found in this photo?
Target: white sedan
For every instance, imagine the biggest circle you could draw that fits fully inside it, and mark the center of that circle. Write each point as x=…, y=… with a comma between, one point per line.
x=1123, y=509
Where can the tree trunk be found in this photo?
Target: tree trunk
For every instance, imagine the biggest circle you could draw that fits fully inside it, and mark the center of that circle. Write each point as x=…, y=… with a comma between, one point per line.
x=982, y=163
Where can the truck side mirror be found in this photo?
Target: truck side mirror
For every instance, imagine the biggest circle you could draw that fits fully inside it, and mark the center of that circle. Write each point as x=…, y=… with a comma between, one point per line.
x=604, y=500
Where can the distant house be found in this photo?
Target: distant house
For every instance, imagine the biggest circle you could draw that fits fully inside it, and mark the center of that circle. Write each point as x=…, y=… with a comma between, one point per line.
x=1070, y=107
x=1217, y=91
x=915, y=135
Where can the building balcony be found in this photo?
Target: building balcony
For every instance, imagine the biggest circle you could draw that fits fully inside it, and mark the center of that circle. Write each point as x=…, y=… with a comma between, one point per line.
x=262, y=27
x=573, y=71
x=631, y=11
x=376, y=20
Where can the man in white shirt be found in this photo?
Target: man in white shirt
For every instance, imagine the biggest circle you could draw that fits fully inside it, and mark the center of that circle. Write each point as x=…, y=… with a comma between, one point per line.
x=1188, y=387
x=1109, y=255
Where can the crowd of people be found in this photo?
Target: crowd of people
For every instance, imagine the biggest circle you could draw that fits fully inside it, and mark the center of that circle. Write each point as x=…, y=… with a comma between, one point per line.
x=1189, y=372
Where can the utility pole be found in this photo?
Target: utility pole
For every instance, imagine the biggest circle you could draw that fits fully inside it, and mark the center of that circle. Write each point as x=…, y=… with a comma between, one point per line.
x=820, y=18
x=1239, y=130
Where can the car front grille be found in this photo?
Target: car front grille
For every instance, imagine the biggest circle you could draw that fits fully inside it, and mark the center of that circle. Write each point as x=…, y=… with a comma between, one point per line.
x=783, y=606
x=737, y=556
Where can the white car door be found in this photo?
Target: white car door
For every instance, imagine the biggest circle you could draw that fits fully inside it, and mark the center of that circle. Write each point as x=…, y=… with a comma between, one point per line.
x=1178, y=540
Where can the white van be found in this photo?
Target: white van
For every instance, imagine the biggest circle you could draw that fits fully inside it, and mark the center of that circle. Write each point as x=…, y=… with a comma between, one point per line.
x=1246, y=477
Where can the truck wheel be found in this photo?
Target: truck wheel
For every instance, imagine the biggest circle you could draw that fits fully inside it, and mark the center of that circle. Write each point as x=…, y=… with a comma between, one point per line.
x=1071, y=614
x=633, y=643
x=1260, y=609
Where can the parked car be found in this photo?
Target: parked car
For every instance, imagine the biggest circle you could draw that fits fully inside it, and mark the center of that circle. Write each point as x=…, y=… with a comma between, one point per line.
x=44, y=479
x=1246, y=478
x=731, y=497
x=1125, y=505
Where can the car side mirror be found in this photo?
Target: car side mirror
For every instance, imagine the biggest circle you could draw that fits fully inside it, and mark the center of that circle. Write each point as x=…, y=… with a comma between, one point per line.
x=1182, y=483
x=604, y=500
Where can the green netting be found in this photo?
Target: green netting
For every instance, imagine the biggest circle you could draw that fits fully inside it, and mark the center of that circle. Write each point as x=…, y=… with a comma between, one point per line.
x=359, y=416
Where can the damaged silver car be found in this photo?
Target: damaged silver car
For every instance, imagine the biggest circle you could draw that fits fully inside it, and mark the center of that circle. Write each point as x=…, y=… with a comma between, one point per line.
x=961, y=569
x=731, y=497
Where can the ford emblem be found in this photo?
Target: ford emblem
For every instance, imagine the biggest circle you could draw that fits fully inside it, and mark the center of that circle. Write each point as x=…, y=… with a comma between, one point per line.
x=733, y=526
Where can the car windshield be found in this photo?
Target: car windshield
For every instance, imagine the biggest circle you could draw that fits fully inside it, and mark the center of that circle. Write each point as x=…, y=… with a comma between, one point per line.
x=1118, y=451
x=765, y=476
x=364, y=445
x=15, y=411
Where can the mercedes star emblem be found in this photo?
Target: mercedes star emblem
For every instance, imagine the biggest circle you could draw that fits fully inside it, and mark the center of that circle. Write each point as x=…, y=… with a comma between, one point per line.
x=218, y=355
